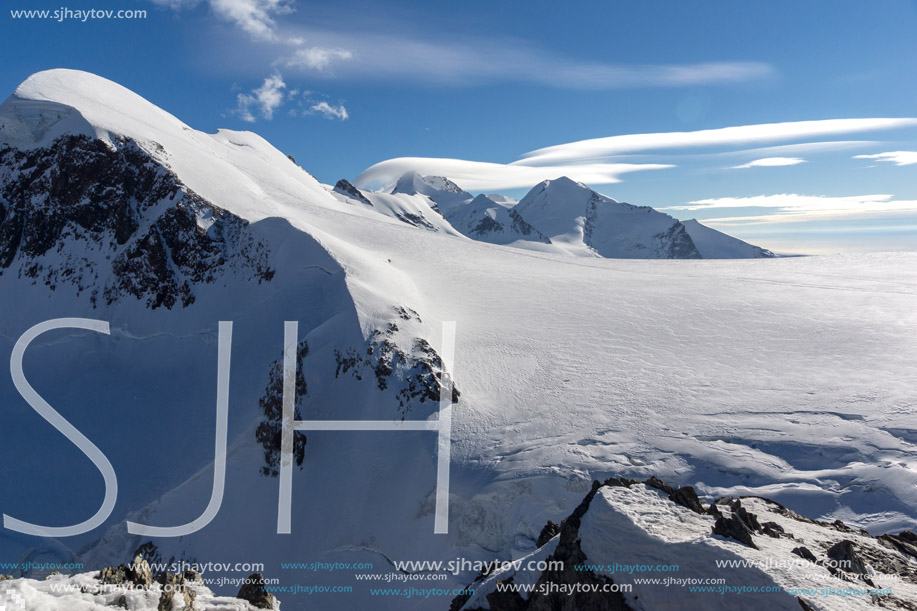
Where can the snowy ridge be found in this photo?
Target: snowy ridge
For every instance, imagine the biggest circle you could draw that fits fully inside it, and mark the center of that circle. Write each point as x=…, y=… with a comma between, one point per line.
x=240, y=170
x=643, y=535
x=713, y=244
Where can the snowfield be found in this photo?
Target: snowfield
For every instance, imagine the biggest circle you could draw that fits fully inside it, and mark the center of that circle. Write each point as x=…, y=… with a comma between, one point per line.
x=788, y=378
x=83, y=592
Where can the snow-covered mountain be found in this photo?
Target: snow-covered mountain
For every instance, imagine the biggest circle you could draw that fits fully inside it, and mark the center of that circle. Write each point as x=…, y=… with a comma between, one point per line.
x=488, y=221
x=789, y=378
x=586, y=223
x=415, y=209
x=713, y=244
x=560, y=216
x=446, y=194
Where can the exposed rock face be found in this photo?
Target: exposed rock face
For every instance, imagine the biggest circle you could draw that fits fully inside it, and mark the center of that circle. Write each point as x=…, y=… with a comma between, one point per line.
x=734, y=528
x=115, y=223
x=845, y=552
x=675, y=243
x=548, y=532
x=412, y=376
x=270, y=430
x=175, y=594
x=140, y=572
x=569, y=552
x=346, y=188
x=253, y=591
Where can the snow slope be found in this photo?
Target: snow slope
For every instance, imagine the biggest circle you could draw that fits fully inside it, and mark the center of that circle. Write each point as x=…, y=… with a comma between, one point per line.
x=791, y=378
x=714, y=244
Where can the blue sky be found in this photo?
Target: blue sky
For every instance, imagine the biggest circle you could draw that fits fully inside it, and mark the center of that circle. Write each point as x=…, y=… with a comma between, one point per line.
x=344, y=86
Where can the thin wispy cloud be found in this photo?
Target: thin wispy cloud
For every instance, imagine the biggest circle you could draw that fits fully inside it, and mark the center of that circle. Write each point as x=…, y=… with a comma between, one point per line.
x=597, y=148
x=255, y=17
x=329, y=111
x=442, y=59
x=483, y=176
x=770, y=162
x=263, y=100
x=794, y=207
x=316, y=58
x=895, y=157
x=592, y=161
x=803, y=148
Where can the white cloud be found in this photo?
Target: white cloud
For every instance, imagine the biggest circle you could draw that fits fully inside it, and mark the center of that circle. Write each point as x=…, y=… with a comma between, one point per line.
x=316, y=58
x=256, y=17
x=265, y=100
x=446, y=59
x=805, y=147
x=330, y=112
x=483, y=176
x=794, y=207
x=597, y=148
x=770, y=162
x=896, y=157
x=588, y=160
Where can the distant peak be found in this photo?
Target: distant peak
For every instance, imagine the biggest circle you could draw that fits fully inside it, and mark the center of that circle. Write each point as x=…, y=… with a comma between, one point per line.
x=564, y=182
x=483, y=200
x=345, y=187
x=412, y=183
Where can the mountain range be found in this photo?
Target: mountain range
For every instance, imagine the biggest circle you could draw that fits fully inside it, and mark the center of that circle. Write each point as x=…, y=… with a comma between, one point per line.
x=591, y=344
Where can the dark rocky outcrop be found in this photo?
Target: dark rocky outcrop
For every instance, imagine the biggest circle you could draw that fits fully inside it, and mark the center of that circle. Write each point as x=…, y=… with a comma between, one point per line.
x=805, y=553
x=413, y=376
x=253, y=591
x=845, y=554
x=175, y=591
x=270, y=430
x=548, y=532
x=569, y=552
x=344, y=187
x=113, y=222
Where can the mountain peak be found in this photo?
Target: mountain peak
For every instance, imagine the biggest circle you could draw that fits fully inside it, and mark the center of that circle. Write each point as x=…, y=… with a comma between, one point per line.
x=412, y=183
x=587, y=223
x=445, y=194
x=565, y=187
x=239, y=169
x=59, y=102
